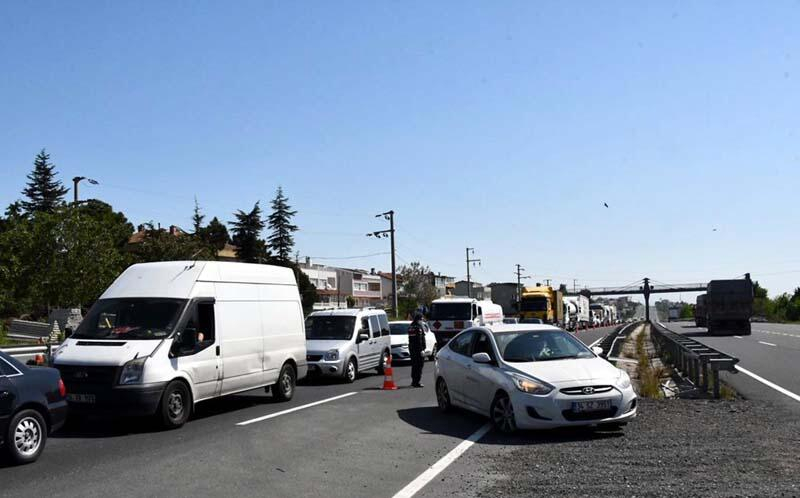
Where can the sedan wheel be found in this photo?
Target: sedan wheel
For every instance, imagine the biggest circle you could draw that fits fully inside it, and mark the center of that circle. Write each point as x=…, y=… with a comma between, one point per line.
x=503, y=414
x=27, y=435
x=443, y=396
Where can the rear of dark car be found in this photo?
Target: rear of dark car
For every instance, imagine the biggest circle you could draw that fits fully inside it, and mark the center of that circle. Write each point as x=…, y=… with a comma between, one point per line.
x=32, y=405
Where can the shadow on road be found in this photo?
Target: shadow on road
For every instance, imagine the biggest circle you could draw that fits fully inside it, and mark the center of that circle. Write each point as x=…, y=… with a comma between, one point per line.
x=462, y=424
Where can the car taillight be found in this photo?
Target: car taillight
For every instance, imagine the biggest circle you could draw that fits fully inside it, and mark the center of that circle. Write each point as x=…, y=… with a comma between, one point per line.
x=62, y=389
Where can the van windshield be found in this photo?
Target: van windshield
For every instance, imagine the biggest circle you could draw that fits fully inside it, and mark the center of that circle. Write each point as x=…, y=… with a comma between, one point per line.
x=131, y=318
x=330, y=327
x=451, y=311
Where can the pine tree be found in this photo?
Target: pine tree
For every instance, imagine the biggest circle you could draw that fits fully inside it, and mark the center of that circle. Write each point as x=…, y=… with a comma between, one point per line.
x=197, y=218
x=44, y=191
x=247, y=228
x=281, y=240
x=216, y=234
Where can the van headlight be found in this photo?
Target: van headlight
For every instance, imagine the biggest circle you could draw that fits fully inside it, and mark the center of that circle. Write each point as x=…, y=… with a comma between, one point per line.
x=530, y=386
x=332, y=355
x=132, y=372
x=624, y=380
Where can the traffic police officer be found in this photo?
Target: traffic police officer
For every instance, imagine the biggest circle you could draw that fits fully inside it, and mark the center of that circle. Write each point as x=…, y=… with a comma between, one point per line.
x=416, y=345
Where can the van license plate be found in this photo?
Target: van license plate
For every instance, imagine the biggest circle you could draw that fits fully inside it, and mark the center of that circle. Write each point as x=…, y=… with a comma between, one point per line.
x=591, y=406
x=80, y=398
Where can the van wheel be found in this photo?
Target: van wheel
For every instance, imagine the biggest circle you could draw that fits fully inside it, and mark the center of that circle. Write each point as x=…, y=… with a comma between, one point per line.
x=26, y=436
x=350, y=371
x=384, y=361
x=176, y=405
x=283, y=390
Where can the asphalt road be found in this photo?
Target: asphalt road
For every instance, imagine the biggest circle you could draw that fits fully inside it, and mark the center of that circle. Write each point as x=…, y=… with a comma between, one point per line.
x=772, y=352
x=371, y=443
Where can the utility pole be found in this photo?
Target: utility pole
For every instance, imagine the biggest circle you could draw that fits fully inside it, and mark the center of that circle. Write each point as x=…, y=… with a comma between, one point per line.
x=646, y=291
x=470, y=250
x=519, y=271
x=389, y=215
x=547, y=280
x=575, y=285
x=75, y=182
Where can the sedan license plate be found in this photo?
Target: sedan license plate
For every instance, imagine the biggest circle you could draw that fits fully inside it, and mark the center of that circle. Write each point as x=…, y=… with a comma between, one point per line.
x=80, y=398
x=591, y=406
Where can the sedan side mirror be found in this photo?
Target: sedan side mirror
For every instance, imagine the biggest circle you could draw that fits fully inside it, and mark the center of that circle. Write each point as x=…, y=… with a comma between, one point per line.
x=482, y=358
x=598, y=351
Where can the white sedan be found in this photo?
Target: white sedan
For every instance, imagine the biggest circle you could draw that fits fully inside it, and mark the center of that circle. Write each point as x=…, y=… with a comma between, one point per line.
x=399, y=332
x=532, y=377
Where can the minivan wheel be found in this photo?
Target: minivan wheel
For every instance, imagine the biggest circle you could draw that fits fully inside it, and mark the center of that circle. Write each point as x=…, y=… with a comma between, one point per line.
x=443, y=396
x=283, y=390
x=503, y=414
x=350, y=371
x=384, y=361
x=26, y=436
x=176, y=405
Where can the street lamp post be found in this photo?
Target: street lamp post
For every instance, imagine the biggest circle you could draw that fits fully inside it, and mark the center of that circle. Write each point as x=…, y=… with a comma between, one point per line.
x=75, y=182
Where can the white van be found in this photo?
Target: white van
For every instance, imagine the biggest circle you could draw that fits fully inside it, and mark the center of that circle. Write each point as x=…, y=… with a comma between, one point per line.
x=343, y=342
x=167, y=335
x=450, y=315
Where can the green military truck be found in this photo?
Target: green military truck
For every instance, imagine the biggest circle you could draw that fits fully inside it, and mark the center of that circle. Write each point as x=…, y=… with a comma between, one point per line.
x=729, y=306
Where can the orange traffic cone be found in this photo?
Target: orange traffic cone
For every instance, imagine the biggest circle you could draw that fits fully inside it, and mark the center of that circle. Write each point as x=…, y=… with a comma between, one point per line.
x=388, y=377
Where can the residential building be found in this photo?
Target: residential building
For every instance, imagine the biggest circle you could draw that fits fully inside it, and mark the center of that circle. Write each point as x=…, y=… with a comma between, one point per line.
x=365, y=287
x=479, y=291
x=227, y=253
x=505, y=294
x=445, y=286
x=326, y=280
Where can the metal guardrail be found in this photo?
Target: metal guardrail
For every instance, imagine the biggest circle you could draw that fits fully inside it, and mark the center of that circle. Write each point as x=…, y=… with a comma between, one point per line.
x=21, y=352
x=696, y=361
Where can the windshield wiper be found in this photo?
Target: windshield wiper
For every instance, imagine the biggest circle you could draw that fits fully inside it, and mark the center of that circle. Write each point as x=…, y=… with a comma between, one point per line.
x=558, y=358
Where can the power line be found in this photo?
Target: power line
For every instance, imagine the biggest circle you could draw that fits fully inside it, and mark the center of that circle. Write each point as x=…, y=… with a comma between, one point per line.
x=363, y=256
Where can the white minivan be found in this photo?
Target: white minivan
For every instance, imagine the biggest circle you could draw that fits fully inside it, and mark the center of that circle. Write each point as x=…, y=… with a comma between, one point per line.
x=341, y=343
x=167, y=335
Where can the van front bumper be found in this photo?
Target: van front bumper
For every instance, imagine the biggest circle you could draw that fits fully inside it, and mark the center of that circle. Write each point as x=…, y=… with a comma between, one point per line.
x=133, y=400
x=326, y=368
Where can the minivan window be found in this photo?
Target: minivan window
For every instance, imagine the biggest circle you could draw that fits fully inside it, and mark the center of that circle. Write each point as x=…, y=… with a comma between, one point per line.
x=384, y=321
x=374, y=326
x=131, y=318
x=330, y=327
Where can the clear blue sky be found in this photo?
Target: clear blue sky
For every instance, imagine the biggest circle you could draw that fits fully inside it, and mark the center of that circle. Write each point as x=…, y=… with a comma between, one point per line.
x=502, y=126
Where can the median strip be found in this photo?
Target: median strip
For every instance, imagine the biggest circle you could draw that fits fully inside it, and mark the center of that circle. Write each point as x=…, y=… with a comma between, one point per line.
x=297, y=408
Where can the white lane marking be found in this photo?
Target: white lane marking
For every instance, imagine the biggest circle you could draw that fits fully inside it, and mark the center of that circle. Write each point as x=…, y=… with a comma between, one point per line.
x=290, y=410
x=738, y=336
x=767, y=383
x=766, y=343
x=595, y=342
x=417, y=484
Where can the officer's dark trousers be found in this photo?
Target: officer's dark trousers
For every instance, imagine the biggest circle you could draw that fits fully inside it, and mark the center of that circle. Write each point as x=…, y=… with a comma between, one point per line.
x=416, y=366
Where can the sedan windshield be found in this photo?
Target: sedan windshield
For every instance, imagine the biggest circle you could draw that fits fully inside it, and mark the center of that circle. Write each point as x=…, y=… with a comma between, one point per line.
x=330, y=327
x=540, y=345
x=131, y=318
x=399, y=328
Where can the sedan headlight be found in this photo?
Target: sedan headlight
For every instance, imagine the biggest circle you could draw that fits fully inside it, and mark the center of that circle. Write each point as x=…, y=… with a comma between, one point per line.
x=624, y=380
x=530, y=386
x=332, y=355
x=132, y=371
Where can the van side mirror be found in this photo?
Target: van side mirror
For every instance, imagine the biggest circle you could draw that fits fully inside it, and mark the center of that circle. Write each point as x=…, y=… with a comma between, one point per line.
x=363, y=337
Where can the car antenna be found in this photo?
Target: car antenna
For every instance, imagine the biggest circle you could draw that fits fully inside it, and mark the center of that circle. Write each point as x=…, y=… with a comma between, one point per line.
x=194, y=259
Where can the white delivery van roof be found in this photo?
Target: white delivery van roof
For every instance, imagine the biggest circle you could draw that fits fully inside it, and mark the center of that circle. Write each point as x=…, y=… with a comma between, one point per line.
x=455, y=299
x=175, y=279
